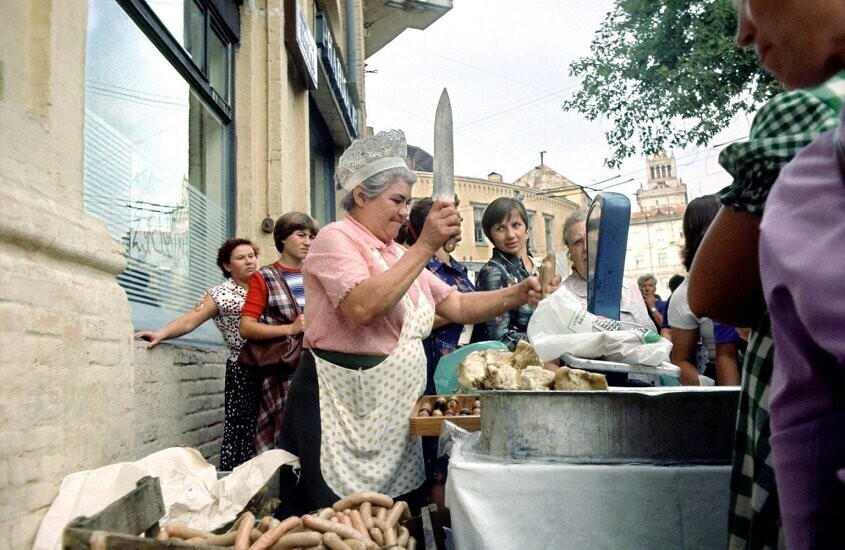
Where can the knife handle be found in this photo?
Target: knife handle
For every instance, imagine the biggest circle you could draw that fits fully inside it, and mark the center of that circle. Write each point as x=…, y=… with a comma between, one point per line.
x=449, y=245
x=547, y=272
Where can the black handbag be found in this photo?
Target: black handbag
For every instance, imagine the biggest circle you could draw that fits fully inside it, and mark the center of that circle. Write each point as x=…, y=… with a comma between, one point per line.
x=282, y=353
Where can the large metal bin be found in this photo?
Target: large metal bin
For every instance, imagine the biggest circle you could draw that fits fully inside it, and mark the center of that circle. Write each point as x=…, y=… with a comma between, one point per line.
x=653, y=425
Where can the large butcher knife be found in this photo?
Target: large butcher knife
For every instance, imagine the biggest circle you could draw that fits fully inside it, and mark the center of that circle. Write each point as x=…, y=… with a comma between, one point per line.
x=444, y=157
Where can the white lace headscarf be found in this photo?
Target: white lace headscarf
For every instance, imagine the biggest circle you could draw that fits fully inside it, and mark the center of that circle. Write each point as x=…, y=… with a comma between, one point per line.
x=376, y=160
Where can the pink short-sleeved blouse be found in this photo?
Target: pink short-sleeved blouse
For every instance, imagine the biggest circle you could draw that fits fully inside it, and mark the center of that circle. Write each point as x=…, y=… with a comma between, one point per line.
x=340, y=258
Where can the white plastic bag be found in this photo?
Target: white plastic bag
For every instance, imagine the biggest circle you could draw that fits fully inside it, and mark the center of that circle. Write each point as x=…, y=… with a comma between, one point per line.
x=562, y=324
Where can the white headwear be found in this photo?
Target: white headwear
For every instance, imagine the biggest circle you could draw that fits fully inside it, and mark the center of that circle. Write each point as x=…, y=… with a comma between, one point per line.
x=369, y=156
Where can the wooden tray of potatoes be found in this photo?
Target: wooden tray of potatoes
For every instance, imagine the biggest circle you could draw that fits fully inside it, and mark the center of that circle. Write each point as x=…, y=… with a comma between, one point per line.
x=430, y=411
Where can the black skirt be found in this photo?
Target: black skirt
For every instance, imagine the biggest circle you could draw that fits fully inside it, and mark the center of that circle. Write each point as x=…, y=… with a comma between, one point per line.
x=240, y=404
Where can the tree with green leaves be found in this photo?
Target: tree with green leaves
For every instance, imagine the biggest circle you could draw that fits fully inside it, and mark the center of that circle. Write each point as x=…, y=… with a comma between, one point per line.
x=667, y=73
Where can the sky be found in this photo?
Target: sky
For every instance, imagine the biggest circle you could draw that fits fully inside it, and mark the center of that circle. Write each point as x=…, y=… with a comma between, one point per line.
x=506, y=67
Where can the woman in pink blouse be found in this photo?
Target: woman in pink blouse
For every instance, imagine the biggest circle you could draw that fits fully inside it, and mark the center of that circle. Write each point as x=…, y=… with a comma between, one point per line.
x=370, y=304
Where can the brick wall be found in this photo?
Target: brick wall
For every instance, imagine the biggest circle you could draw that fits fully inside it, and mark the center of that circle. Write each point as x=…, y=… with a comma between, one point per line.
x=178, y=398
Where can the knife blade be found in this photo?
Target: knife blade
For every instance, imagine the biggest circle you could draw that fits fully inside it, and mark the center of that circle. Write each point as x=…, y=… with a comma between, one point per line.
x=444, y=157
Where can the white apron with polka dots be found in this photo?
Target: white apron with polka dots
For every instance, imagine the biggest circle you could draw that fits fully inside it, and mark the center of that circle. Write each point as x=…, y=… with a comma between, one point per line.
x=366, y=443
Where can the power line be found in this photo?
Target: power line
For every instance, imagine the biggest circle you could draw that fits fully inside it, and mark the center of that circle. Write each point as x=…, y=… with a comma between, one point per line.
x=475, y=67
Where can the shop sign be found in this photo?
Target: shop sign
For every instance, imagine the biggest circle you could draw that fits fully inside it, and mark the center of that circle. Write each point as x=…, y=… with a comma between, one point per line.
x=300, y=43
x=335, y=73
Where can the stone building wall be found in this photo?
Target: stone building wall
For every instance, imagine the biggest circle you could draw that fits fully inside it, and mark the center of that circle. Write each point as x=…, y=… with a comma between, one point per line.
x=475, y=192
x=77, y=392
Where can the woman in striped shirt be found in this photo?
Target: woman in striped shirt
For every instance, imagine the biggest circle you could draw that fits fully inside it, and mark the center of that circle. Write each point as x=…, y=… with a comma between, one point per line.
x=269, y=313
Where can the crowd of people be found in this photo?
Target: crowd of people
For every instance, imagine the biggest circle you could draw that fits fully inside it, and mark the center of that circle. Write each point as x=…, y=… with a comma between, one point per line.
x=765, y=255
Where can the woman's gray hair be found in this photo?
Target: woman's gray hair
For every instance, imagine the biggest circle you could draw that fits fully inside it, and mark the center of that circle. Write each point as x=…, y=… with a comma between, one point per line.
x=578, y=216
x=645, y=278
x=376, y=184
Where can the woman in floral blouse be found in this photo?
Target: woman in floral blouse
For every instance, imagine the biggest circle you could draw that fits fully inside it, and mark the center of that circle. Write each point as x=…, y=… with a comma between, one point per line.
x=238, y=260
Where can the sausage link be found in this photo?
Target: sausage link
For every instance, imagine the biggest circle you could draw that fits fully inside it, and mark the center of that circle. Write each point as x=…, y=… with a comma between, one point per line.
x=344, y=519
x=334, y=542
x=375, y=534
x=226, y=539
x=381, y=513
x=390, y=537
x=267, y=522
x=396, y=512
x=242, y=540
x=184, y=532
x=355, y=544
x=298, y=540
x=358, y=522
x=366, y=511
x=269, y=538
x=325, y=526
x=356, y=499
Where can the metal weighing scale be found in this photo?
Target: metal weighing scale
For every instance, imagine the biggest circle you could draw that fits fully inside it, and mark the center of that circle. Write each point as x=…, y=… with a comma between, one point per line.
x=608, y=220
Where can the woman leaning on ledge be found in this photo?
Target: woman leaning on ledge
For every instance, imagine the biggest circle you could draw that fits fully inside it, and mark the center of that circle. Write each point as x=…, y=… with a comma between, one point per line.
x=238, y=260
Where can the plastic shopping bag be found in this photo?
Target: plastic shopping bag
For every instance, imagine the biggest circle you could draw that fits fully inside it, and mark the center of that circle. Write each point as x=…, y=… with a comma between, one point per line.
x=561, y=323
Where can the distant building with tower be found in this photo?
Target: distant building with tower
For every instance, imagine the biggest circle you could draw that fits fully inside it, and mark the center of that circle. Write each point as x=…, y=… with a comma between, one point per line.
x=655, y=237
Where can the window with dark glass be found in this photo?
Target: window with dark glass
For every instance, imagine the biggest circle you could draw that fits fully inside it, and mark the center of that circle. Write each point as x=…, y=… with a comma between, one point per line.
x=158, y=147
x=547, y=224
x=532, y=242
x=478, y=230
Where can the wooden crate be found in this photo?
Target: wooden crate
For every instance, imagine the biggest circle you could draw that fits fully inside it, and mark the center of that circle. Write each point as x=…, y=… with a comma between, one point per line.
x=121, y=524
x=428, y=527
x=131, y=521
x=430, y=425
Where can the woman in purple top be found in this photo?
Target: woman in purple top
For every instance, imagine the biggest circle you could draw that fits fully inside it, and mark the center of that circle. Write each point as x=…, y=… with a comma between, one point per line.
x=802, y=261
x=443, y=340
x=803, y=226
x=444, y=337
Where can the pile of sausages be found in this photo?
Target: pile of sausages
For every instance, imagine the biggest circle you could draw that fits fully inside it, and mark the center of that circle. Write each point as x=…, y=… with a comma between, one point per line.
x=361, y=521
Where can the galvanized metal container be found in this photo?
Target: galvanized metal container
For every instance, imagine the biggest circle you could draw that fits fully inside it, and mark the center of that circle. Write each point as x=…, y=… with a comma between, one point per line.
x=654, y=425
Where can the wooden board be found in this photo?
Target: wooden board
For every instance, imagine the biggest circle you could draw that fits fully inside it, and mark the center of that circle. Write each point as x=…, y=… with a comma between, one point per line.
x=430, y=425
